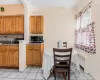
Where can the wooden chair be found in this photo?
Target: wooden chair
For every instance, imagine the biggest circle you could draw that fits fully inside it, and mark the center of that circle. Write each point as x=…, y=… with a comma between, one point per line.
x=62, y=68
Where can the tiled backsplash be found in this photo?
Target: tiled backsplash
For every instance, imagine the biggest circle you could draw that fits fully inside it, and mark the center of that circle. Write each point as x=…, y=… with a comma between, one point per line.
x=10, y=37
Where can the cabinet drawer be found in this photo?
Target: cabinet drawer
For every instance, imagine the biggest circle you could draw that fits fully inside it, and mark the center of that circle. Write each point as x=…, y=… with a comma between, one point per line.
x=14, y=47
x=29, y=47
x=33, y=46
x=37, y=46
x=4, y=48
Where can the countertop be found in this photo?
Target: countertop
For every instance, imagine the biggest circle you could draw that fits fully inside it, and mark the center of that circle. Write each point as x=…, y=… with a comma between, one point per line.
x=9, y=44
x=36, y=43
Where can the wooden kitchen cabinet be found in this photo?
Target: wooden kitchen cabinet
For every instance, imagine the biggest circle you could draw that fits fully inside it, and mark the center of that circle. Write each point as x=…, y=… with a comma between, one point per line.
x=39, y=28
x=1, y=25
x=8, y=21
x=4, y=58
x=36, y=24
x=12, y=25
x=19, y=25
x=13, y=59
x=34, y=54
x=29, y=58
x=37, y=57
x=33, y=23
x=9, y=56
x=13, y=56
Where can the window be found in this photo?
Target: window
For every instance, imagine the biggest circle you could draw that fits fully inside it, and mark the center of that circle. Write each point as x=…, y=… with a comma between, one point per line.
x=84, y=33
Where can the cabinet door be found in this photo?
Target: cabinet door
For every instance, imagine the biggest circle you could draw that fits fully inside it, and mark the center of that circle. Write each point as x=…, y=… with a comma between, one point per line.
x=21, y=25
x=4, y=58
x=37, y=57
x=39, y=29
x=1, y=25
x=16, y=24
x=8, y=24
x=33, y=23
x=13, y=29
x=13, y=59
x=29, y=57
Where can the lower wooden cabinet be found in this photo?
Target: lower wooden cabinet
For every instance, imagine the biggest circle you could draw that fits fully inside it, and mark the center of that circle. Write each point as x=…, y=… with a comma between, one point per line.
x=34, y=55
x=4, y=59
x=13, y=59
x=29, y=58
x=37, y=57
x=9, y=56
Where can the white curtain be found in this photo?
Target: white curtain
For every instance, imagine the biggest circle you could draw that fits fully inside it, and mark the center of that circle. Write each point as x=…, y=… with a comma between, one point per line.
x=84, y=33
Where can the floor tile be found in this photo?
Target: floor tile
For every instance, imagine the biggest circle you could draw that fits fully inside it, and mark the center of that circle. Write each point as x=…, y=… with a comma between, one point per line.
x=31, y=76
x=72, y=77
x=19, y=79
x=16, y=70
x=34, y=70
x=80, y=77
x=58, y=77
x=28, y=69
x=1, y=78
x=30, y=79
x=39, y=76
x=51, y=78
x=88, y=76
x=8, y=79
x=40, y=70
x=4, y=74
x=1, y=72
x=10, y=70
x=13, y=75
x=77, y=73
x=22, y=75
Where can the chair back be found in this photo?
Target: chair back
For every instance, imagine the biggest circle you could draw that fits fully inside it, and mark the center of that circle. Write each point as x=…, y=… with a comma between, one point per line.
x=62, y=56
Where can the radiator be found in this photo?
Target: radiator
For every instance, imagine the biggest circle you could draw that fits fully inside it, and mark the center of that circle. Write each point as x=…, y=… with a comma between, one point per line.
x=84, y=61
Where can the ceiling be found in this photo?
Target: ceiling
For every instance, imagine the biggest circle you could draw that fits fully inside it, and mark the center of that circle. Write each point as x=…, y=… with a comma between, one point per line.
x=43, y=3
x=10, y=2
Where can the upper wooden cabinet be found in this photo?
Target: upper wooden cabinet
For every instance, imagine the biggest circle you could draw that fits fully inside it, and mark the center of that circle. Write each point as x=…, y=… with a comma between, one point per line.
x=19, y=25
x=12, y=25
x=36, y=24
x=1, y=25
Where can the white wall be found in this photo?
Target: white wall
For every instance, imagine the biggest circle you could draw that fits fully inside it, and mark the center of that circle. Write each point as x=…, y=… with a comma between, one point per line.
x=95, y=64
x=59, y=24
x=26, y=22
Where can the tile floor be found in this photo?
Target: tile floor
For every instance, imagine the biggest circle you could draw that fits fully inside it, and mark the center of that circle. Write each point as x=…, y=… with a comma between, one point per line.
x=35, y=73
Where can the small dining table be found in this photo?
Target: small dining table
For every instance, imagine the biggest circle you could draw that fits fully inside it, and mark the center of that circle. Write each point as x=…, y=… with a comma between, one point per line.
x=48, y=62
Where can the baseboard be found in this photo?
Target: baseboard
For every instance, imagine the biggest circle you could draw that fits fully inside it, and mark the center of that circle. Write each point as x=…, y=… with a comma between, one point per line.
x=22, y=69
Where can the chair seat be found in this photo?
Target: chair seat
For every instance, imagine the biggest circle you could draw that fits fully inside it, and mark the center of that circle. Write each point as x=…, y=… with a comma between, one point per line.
x=63, y=63
x=61, y=70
